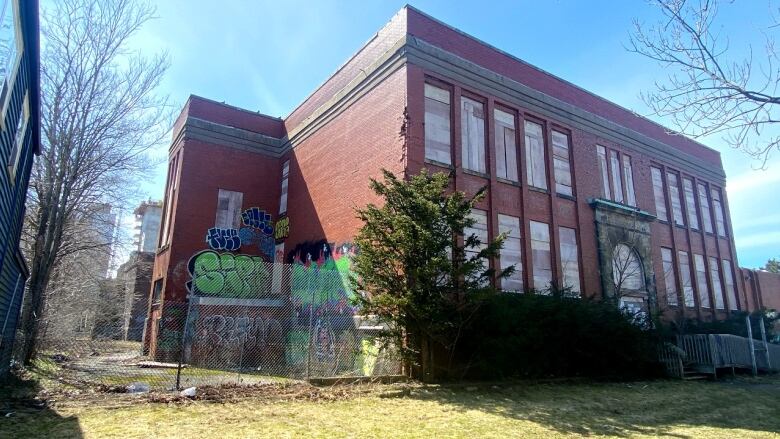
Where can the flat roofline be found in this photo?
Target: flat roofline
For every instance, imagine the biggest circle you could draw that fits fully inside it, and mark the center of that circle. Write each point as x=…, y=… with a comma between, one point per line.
x=545, y=72
x=233, y=107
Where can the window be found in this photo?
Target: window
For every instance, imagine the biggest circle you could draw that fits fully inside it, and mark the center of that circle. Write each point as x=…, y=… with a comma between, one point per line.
x=540, y=255
x=278, y=270
x=685, y=277
x=438, y=138
x=512, y=252
x=728, y=279
x=719, y=223
x=614, y=169
x=506, y=145
x=534, y=155
x=658, y=194
x=285, y=187
x=157, y=291
x=603, y=169
x=561, y=163
x=18, y=145
x=228, y=209
x=173, y=177
x=570, y=266
x=10, y=47
x=701, y=281
x=670, y=280
x=628, y=180
x=480, y=230
x=627, y=272
x=472, y=130
x=717, y=288
x=704, y=204
x=690, y=203
x=674, y=194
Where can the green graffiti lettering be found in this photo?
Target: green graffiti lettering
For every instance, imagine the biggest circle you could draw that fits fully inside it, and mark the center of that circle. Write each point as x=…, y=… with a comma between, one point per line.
x=228, y=275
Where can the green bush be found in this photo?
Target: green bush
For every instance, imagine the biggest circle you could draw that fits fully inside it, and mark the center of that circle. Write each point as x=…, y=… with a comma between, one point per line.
x=531, y=335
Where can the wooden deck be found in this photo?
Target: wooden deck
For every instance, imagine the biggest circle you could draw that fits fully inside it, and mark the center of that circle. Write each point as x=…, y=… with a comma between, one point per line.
x=708, y=354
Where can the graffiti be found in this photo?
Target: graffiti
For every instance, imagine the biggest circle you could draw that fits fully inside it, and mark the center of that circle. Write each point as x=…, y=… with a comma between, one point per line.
x=282, y=228
x=265, y=243
x=228, y=275
x=258, y=219
x=223, y=239
x=251, y=333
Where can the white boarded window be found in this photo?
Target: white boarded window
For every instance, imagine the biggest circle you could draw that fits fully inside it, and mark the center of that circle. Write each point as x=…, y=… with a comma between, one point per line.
x=719, y=221
x=701, y=281
x=670, y=280
x=480, y=230
x=285, y=186
x=704, y=204
x=540, y=255
x=628, y=180
x=570, y=266
x=728, y=279
x=512, y=252
x=228, y=209
x=438, y=137
x=173, y=181
x=674, y=194
x=614, y=169
x=717, y=288
x=685, y=277
x=561, y=163
x=627, y=272
x=604, y=171
x=472, y=130
x=534, y=155
x=658, y=194
x=506, y=145
x=690, y=203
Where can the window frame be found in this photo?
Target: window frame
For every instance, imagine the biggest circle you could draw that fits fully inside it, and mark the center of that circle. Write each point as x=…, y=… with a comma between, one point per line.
x=465, y=146
x=517, y=145
x=529, y=164
x=517, y=276
x=534, y=274
x=435, y=83
x=690, y=203
x=236, y=208
x=670, y=277
x=13, y=64
x=567, y=159
x=659, y=196
x=577, y=285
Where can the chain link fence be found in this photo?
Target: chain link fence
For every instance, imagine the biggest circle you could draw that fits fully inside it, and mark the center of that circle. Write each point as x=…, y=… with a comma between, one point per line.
x=244, y=321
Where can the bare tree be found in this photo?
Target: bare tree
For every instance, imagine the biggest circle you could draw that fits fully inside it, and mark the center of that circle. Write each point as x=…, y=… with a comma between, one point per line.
x=100, y=118
x=706, y=92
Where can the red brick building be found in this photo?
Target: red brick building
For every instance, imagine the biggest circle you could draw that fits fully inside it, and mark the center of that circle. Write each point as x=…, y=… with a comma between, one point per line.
x=596, y=197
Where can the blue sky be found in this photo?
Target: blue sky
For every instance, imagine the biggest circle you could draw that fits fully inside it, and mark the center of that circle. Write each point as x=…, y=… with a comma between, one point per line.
x=269, y=55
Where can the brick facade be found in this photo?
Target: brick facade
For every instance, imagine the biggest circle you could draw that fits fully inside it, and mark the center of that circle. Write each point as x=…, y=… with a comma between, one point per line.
x=371, y=115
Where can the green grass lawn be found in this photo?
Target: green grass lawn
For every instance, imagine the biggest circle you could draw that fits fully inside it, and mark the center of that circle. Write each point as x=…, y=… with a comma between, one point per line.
x=734, y=408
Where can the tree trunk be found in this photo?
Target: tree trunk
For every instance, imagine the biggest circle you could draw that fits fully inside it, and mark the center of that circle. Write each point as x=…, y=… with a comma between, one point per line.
x=39, y=280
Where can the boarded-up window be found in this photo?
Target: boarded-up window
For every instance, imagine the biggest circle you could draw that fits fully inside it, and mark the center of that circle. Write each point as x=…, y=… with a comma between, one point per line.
x=628, y=180
x=561, y=163
x=512, y=252
x=506, y=145
x=228, y=209
x=540, y=255
x=570, y=266
x=173, y=182
x=701, y=281
x=718, y=206
x=472, y=130
x=670, y=280
x=717, y=288
x=674, y=194
x=438, y=138
x=704, y=204
x=285, y=187
x=614, y=170
x=604, y=171
x=480, y=230
x=627, y=272
x=728, y=279
x=690, y=203
x=534, y=155
x=685, y=277
x=658, y=194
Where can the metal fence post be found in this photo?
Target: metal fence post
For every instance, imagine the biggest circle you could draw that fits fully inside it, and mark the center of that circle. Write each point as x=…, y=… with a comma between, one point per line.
x=766, y=345
x=752, y=346
x=183, y=340
x=311, y=316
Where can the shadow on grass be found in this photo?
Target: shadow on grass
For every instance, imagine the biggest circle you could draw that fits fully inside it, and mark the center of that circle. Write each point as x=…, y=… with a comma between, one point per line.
x=626, y=409
x=24, y=415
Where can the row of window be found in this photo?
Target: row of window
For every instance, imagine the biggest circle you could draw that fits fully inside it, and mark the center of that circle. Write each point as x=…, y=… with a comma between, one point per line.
x=541, y=257
x=701, y=273
x=695, y=198
x=438, y=141
x=617, y=177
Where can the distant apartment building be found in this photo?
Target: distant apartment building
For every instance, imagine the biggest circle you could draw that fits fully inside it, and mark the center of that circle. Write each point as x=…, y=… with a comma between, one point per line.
x=19, y=141
x=596, y=198
x=135, y=275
